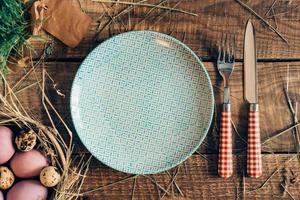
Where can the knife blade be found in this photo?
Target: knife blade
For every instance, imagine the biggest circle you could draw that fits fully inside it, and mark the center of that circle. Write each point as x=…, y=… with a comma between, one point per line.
x=254, y=161
x=250, y=74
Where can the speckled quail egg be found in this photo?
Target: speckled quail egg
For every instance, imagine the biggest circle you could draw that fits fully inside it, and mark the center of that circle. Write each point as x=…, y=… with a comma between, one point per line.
x=26, y=141
x=50, y=176
x=6, y=178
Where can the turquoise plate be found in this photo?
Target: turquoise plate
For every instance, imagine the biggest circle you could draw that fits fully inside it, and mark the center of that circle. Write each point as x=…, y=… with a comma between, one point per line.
x=142, y=102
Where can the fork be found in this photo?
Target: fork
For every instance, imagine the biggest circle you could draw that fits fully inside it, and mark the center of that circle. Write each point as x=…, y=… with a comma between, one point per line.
x=225, y=64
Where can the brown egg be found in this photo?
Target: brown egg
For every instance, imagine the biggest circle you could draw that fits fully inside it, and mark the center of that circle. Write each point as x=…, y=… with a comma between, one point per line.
x=7, y=149
x=50, y=176
x=6, y=178
x=28, y=164
x=27, y=190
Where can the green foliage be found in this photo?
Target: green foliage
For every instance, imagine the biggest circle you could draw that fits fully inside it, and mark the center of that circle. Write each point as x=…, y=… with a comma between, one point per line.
x=14, y=26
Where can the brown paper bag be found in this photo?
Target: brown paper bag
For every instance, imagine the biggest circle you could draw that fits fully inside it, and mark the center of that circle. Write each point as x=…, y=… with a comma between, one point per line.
x=62, y=20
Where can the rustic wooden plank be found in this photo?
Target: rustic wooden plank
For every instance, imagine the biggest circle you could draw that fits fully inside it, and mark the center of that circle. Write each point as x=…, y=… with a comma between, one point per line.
x=199, y=181
x=275, y=115
x=201, y=33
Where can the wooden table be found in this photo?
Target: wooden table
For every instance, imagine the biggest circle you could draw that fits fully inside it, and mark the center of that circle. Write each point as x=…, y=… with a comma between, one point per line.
x=197, y=177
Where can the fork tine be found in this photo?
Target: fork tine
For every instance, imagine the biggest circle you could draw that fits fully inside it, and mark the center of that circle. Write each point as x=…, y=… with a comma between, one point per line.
x=230, y=46
x=219, y=52
x=226, y=48
x=228, y=41
x=234, y=46
x=220, y=48
x=224, y=36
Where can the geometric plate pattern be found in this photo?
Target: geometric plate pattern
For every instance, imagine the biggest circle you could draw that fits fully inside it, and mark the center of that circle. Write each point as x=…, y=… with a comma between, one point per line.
x=142, y=102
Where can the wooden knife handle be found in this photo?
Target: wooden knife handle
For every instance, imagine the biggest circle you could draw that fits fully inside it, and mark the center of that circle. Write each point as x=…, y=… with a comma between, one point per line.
x=225, y=166
x=254, y=162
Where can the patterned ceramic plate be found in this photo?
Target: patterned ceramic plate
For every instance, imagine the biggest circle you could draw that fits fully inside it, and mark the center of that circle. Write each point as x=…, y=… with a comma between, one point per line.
x=142, y=102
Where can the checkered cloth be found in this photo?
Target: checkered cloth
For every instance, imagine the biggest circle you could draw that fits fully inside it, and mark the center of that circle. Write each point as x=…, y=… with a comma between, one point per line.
x=254, y=163
x=225, y=146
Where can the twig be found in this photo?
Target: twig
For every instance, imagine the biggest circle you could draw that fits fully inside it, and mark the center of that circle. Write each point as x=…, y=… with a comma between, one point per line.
x=80, y=6
x=285, y=189
x=133, y=188
x=293, y=110
x=296, y=130
x=157, y=188
x=172, y=181
x=200, y=154
x=42, y=86
x=129, y=8
x=279, y=134
x=166, y=13
x=271, y=7
x=115, y=16
x=158, y=185
x=45, y=100
x=285, y=182
x=269, y=178
x=176, y=185
x=185, y=168
x=54, y=86
x=263, y=20
x=172, y=188
x=265, y=182
x=288, y=99
x=24, y=77
x=27, y=87
x=183, y=37
x=281, y=13
x=147, y=5
x=275, y=19
x=151, y=10
x=108, y=185
x=237, y=132
x=100, y=25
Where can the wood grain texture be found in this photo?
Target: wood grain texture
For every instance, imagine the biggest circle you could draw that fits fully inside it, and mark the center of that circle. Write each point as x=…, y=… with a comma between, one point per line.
x=201, y=33
x=199, y=181
x=197, y=178
x=274, y=113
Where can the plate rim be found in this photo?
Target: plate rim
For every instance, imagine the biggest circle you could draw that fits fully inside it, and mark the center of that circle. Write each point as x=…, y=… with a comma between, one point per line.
x=198, y=60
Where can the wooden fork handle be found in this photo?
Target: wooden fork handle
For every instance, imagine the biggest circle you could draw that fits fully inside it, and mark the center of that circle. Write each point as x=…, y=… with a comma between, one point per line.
x=254, y=162
x=225, y=164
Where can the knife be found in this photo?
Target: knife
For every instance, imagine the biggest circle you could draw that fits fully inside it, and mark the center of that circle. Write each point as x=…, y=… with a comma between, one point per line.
x=254, y=162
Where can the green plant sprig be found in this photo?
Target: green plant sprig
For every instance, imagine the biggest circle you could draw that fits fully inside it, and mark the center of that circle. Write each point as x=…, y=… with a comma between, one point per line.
x=14, y=30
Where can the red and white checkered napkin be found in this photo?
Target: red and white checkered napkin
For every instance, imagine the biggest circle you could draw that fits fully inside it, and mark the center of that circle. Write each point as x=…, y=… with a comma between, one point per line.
x=225, y=168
